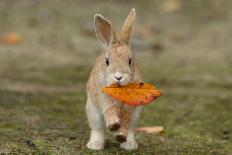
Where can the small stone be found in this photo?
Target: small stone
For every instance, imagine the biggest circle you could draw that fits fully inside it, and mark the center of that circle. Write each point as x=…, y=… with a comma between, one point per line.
x=30, y=143
x=72, y=138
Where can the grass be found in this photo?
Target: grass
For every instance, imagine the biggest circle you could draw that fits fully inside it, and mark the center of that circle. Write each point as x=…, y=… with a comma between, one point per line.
x=186, y=53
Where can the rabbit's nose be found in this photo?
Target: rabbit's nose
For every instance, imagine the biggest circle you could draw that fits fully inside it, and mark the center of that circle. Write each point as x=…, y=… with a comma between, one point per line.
x=118, y=77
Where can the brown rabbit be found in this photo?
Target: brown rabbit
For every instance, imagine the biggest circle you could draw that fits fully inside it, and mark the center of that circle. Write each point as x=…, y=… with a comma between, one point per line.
x=116, y=65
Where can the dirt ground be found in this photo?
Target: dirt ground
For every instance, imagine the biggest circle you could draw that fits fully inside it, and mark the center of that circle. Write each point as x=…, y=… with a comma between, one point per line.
x=184, y=48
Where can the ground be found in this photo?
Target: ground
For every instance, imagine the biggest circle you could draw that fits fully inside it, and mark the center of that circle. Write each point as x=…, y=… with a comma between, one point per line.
x=184, y=48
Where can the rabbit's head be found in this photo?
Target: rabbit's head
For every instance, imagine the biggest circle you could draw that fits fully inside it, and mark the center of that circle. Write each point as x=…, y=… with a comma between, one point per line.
x=119, y=63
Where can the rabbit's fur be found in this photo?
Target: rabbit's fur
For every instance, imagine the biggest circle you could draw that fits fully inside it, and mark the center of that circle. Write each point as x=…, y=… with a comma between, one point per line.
x=116, y=65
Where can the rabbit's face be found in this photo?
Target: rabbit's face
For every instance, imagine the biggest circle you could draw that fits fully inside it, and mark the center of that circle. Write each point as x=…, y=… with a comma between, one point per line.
x=118, y=61
x=118, y=56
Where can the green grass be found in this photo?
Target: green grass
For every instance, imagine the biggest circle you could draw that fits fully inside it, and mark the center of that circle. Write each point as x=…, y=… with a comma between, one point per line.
x=42, y=80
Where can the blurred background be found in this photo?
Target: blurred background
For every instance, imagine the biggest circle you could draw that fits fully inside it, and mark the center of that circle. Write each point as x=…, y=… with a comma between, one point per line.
x=47, y=50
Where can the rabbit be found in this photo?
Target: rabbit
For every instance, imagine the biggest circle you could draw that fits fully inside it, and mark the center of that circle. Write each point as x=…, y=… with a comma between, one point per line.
x=116, y=65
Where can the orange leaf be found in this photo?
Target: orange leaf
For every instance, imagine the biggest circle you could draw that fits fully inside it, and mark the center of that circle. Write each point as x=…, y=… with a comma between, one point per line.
x=11, y=38
x=133, y=94
x=151, y=129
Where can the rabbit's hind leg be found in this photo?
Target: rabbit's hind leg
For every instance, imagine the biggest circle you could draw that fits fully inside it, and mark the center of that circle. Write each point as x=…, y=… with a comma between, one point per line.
x=128, y=129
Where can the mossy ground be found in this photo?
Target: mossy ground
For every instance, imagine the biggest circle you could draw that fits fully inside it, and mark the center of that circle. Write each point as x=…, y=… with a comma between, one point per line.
x=187, y=54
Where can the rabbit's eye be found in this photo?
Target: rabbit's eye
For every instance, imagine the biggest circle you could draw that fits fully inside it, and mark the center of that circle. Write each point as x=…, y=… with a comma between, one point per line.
x=107, y=61
x=130, y=61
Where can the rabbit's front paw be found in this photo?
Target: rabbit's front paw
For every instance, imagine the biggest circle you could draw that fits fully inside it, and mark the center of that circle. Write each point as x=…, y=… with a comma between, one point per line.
x=113, y=124
x=112, y=118
x=129, y=145
x=95, y=145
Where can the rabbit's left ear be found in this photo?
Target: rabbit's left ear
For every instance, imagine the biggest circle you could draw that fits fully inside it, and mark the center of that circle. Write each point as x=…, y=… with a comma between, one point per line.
x=104, y=30
x=126, y=29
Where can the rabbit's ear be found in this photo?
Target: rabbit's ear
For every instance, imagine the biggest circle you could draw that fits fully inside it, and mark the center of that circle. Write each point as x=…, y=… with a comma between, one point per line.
x=126, y=29
x=104, y=30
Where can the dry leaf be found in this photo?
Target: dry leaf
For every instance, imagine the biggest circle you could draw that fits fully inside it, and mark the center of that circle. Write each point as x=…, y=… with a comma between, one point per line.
x=11, y=38
x=151, y=129
x=133, y=94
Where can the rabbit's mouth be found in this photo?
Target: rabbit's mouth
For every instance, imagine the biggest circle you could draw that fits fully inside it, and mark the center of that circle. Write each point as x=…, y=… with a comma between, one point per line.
x=118, y=79
x=119, y=83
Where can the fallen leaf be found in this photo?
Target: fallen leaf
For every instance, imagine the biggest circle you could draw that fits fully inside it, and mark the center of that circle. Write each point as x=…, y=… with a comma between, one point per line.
x=151, y=129
x=134, y=94
x=11, y=38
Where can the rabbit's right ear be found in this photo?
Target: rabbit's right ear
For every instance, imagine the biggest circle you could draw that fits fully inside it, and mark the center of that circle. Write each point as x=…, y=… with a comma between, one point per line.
x=126, y=29
x=104, y=30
